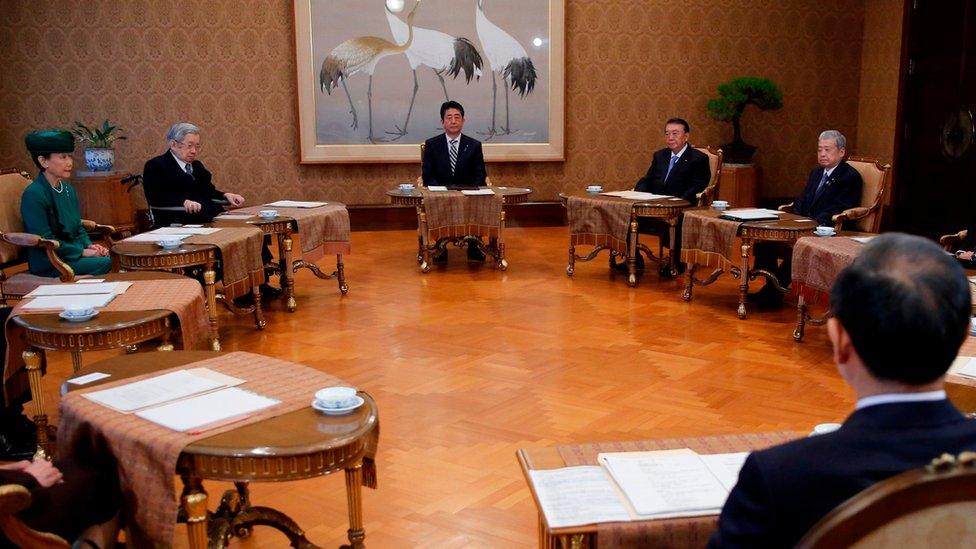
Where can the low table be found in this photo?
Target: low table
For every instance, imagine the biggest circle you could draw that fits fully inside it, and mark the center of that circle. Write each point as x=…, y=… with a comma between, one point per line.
x=399, y=197
x=281, y=228
x=293, y=446
x=668, y=210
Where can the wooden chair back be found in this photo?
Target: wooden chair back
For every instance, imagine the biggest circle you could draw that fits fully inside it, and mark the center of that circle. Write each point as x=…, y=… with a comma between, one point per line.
x=14, y=498
x=928, y=507
x=715, y=165
x=875, y=182
x=12, y=185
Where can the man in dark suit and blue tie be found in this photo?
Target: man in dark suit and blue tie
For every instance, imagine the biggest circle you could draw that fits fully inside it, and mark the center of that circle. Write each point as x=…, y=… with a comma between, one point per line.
x=831, y=188
x=678, y=170
x=901, y=312
x=454, y=160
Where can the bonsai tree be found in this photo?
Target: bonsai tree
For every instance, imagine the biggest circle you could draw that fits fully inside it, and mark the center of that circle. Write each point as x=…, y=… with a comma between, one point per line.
x=734, y=96
x=98, y=138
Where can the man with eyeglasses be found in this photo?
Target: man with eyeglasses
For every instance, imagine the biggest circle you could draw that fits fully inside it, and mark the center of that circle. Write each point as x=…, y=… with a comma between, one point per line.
x=177, y=178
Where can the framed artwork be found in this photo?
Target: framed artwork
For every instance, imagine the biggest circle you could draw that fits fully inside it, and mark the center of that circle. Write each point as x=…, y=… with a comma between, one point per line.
x=372, y=75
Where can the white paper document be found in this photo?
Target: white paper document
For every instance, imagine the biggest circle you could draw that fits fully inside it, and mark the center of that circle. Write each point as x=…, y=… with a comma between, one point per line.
x=59, y=302
x=436, y=188
x=88, y=378
x=186, y=229
x=80, y=289
x=964, y=366
x=235, y=216
x=725, y=467
x=574, y=496
x=478, y=192
x=89, y=281
x=668, y=483
x=155, y=390
x=151, y=237
x=636, y=195
x=296, y=204
x=752, y=214
x=207, y=409
x=862, y=239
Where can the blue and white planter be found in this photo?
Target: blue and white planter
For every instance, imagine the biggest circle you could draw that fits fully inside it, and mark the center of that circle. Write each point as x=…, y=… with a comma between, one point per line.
x=100, y=160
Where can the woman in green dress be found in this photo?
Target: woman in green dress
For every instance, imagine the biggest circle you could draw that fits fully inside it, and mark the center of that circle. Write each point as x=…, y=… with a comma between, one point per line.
x=49, y=208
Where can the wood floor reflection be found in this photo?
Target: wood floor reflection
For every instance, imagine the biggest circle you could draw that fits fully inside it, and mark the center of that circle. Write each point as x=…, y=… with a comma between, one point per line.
x=468, y=363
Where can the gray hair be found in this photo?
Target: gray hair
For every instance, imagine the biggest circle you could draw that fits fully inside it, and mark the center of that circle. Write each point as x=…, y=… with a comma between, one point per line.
x=179, y=130
x=836, y=136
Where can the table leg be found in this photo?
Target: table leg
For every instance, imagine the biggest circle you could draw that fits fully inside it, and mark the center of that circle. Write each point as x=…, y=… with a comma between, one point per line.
x=632, y=252
x=672, y=223
x=194, y=501
x=502, y=262
x=744, y=282
x=801, y=318
x=571, y=266
x=259, y=321
x=689, y=280
x=341, y=274
x=420, y=237
x=424, y=245
x=354, y=498
x=287, y=273
x=32, y=362
x=75, y=361
x=209, y=278
x=165, y=345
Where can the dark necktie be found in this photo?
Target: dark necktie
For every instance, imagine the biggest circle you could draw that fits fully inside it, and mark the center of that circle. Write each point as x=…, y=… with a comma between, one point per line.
x=453, y=153
x=674, y=160
x=821, y=187
x=189, y=169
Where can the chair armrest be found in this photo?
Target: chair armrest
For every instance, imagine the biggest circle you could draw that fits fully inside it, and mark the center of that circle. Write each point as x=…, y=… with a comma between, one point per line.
x=420, y=181
x=487, y=181
x=951, y=242
x=788, y=208
x=850, y=214
x=107, y=232
x=28, y=240
x=220, y=201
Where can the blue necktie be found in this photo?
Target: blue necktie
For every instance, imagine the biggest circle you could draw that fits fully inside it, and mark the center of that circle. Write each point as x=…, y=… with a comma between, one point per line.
x=454, y=154
x=189, y=170
x=821, y=187
x=674, y=160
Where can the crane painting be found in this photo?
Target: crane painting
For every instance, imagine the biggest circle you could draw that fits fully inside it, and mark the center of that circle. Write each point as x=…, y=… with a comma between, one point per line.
x=383, y=68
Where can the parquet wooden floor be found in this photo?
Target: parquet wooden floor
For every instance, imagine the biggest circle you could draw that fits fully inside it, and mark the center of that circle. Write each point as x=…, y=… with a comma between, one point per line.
x=469, y=363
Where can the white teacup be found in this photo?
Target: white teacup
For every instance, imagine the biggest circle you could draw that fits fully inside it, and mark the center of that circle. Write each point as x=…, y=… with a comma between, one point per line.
x=824, y=230
x=720, y=204
x=78, y=310
x=335, y=397
x=406, y=186
x=594, y=188
x=169, y=241
x=268, y=214
x=824, y=428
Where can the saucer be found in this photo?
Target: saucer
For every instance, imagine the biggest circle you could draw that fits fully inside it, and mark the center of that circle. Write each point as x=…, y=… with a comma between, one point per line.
x=167, y=247
x=825, y=235
x=72, y=318
x=357, y=402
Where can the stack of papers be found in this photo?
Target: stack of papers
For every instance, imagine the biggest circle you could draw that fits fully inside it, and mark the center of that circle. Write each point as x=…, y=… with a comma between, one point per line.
x=59, y=302
x=636, y=195
x=751, y=214
x=80, y=288
x=235, y=216
x=862, y=239
x=478, y=192
x=436, y=188
x=633, y=486
x=296, y=204
x=185, y=400
x=182, y=232
x=964, y=366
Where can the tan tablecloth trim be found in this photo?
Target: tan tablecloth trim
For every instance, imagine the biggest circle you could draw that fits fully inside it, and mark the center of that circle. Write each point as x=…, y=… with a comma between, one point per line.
x=708, y=240
x=240, y=257
x=816, y=263
x=323, y=230
x=183, y=297
x=147, y=453
x=679, y=532
x=451, y=214
x=599, y=221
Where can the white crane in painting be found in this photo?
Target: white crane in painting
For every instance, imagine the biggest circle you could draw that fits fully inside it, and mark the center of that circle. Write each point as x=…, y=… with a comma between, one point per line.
x=508, y=59
x=441, y=52
x=361, y=54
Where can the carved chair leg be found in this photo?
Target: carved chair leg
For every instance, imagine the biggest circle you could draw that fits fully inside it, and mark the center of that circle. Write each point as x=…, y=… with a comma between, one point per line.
x=209, y=279
x=744, y=281
x=287, y=273
x=801, y=318
x=689, y=281
x=32, y=360
x=571, y=266
x=259, y=321
x=194, y=502
x=341, y=274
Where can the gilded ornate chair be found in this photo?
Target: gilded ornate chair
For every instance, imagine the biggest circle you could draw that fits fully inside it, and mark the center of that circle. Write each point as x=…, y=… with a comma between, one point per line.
x=420, y=178
x=715, y=165
x=928, y=507
x=14, y=499
x=867, y=216
x=14, y=241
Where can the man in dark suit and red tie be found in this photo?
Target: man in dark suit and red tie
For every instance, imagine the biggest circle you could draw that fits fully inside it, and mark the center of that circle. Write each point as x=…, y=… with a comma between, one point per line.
x=895, y=359
x=678, y=170
x=455, y=161
x=832, y=187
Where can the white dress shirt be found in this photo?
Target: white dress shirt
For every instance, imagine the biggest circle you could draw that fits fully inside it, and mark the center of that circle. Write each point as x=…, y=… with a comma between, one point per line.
x=178, y=161
x=874, y=400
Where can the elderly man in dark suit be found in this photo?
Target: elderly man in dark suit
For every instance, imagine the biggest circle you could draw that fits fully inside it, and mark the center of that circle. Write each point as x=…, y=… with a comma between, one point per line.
x=901, y=312
x=831, y=188
x=678, y=170
x=455, y=161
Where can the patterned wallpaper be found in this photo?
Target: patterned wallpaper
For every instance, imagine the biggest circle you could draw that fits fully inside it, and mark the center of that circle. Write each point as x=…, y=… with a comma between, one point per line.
x=880, y=61
x=228, y=66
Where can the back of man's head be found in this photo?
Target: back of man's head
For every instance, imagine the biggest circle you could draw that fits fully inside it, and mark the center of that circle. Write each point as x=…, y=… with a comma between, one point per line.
x=906, y=305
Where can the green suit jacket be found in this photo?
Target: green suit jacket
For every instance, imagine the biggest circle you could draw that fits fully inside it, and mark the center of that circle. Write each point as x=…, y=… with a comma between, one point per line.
x=55, y=216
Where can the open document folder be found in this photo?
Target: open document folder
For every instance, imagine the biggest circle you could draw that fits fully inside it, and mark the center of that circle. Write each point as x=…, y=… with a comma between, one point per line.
x=184, y=400
x=631, y=486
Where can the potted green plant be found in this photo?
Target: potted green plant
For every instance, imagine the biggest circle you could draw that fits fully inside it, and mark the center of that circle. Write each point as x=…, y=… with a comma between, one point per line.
x=734, y=96
x=99, y=154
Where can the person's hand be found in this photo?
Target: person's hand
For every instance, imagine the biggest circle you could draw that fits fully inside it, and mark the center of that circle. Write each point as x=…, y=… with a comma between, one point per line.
x=191, y=206
x=90, y=252
x=234, y=199
x=15, y=466
x=47, y=475
x=965, y=256
x=100, y=250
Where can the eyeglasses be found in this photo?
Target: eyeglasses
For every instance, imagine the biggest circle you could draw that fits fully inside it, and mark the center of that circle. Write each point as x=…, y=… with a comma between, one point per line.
x=192, y=147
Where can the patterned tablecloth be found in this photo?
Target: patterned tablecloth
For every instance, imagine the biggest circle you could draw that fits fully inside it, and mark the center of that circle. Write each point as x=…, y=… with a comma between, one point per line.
x=707, y=240
x=599, y=221
x=240, y=257
x=451, y=214
x=816, y=263
x=321, y=231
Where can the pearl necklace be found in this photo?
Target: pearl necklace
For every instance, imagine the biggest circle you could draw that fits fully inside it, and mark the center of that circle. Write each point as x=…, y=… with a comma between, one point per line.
x=60, y=188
